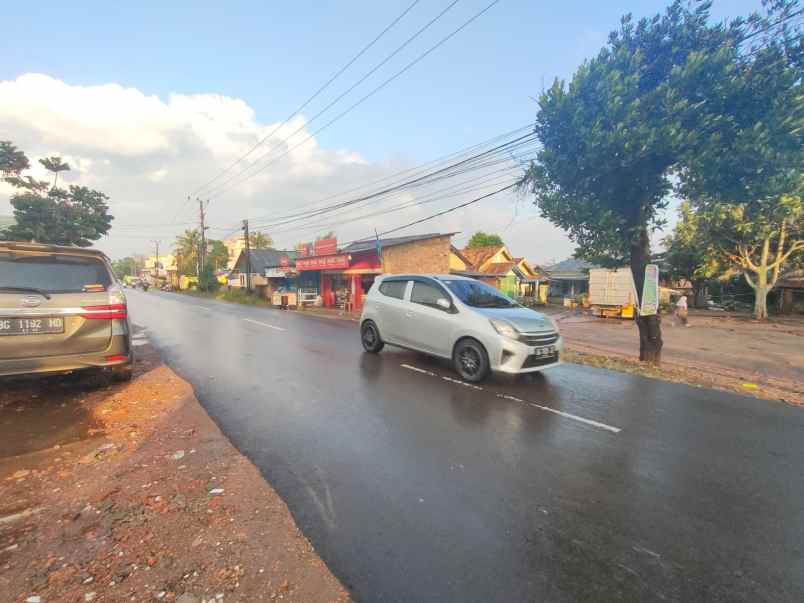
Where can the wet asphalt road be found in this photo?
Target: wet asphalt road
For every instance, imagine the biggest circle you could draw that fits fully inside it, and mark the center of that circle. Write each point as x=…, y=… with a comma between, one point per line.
x=413, y=487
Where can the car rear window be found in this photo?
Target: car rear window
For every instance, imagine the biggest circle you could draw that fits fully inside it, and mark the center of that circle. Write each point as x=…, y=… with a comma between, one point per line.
x=53, y=273
x=394, y=289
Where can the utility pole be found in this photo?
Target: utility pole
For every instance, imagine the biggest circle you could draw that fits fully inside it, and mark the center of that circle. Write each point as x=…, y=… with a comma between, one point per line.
x=156, y=263
x=248, y=256
x=203, y=250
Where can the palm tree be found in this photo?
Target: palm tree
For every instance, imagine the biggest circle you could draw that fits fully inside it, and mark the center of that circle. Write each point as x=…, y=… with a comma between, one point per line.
x=54, y=164
x=259, y=240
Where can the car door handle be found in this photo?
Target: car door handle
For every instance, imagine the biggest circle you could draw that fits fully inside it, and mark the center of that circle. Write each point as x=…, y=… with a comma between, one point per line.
x=409, y=314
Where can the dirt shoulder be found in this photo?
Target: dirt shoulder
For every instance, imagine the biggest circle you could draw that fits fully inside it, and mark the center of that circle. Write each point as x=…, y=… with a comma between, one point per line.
x=762, y=359
x=132, y=493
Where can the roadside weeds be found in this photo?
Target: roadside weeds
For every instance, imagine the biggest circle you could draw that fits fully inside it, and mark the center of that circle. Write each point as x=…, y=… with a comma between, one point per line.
x=696, y=377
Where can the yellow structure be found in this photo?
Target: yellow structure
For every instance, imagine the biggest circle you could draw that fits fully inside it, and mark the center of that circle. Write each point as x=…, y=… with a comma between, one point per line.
x=234, y=247
x=514, y=276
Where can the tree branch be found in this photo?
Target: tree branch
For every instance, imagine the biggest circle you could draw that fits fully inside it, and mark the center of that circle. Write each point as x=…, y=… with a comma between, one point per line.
x=749, y=281
x=777, y=263
x=744, y=254
x=797, y=246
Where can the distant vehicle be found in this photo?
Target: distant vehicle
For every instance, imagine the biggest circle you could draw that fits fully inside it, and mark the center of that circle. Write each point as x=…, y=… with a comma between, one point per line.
x=474, y=325
x=612, y=293
x=61, y=310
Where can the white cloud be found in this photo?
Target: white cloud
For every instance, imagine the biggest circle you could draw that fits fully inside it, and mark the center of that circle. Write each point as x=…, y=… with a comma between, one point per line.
x=149, y=153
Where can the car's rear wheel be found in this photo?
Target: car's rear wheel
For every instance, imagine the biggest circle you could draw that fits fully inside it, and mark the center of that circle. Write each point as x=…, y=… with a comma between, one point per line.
x=470, y=360
x=370, y=337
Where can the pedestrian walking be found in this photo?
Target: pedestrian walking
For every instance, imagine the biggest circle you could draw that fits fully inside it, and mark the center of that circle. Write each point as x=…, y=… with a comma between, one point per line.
x=681, y=310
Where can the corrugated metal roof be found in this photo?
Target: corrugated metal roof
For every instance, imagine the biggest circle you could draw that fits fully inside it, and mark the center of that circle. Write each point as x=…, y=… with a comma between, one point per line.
x=262, y=259
x=370, y=244
x=570, y=268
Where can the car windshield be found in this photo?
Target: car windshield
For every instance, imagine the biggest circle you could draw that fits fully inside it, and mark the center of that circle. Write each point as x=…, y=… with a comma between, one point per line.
x=479, y=295
x=53, y=274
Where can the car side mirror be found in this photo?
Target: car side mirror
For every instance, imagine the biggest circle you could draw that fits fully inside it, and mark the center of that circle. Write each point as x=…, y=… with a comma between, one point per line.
x=443, y=303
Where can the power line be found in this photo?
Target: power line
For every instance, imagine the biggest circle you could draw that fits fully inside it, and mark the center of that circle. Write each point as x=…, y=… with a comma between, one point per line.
x=406, y=68
x=436, y=215
x=301, y=107
x=428, y=177
x=416, y=169
x=340, y=96
x=330, y=225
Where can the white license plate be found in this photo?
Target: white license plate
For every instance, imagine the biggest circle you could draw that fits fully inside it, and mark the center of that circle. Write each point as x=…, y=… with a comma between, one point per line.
x=31, y=326
x=548, y=351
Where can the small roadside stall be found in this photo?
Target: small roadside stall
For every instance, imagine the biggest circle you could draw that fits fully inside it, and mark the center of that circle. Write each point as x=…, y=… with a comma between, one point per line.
x=282, y=283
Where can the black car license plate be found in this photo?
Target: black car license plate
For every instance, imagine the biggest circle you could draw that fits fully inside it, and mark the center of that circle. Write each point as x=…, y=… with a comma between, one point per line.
x=31, y=326
x=546, y=351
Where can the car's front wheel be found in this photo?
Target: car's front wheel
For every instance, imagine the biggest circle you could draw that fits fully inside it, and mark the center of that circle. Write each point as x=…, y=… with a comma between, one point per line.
x=370, y=337
x=470, y=360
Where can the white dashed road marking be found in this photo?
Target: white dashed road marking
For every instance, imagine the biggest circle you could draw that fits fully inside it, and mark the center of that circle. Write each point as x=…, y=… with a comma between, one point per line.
x=560, y=413
x=264, y=324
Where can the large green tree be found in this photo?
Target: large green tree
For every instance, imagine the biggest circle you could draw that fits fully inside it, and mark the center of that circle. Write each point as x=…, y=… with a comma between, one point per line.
x=744, y=171
x=610, y=143
x=757, y=239
x=484, y=239
x=628, y=126
x=74, y=216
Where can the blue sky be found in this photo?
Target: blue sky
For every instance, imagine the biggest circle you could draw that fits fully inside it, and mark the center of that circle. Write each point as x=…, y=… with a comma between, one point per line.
x=273, y=55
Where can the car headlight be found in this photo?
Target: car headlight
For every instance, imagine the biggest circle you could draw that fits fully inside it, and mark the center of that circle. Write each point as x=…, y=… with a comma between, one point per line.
x=504, y=328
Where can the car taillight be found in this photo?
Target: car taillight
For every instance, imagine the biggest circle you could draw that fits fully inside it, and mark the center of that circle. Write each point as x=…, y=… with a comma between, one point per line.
x=105, y=312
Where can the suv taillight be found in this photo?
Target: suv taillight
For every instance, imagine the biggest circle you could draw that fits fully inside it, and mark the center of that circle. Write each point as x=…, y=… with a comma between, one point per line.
x=105, y=312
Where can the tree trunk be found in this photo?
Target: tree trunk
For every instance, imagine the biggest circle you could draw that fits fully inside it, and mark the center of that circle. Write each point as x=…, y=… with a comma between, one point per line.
x=761, y=286
x=761, y=291
x=650, y=328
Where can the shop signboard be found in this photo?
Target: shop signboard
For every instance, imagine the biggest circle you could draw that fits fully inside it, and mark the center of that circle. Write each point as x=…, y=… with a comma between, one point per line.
x=650, y=291
x=325, y=247
x=327, y=262
x=304, y=250
x=277, y=272
x=284, y=261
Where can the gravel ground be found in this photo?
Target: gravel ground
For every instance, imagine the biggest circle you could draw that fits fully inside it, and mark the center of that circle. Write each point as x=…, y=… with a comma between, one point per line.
x=131, y=493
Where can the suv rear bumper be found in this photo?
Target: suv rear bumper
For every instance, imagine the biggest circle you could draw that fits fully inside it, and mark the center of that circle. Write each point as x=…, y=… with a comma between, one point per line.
x=118, y=346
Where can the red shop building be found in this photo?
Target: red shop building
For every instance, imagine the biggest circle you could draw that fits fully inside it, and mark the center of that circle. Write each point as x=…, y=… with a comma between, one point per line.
x=342, y=278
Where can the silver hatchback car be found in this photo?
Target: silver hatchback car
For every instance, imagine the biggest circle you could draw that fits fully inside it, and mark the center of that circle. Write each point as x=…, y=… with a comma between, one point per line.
x=462, y=319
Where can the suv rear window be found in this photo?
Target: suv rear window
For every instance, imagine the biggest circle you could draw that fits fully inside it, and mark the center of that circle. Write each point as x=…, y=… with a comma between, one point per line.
x=53, y=273
x=394, y=289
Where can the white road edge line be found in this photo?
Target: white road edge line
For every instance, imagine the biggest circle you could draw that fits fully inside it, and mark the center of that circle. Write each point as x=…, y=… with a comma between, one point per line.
x=264, y=324
x=419, y=370
x=561, y=413
x=567, y=415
